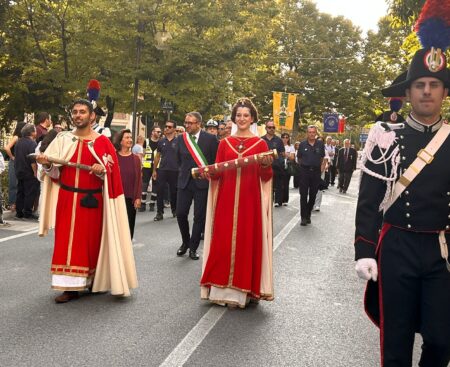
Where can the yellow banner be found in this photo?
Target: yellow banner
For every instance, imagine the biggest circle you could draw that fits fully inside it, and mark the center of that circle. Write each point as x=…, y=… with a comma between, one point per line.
x=284, y=110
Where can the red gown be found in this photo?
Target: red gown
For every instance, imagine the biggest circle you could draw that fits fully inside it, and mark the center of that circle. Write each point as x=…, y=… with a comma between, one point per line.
x=235, y=253
x=78, y=230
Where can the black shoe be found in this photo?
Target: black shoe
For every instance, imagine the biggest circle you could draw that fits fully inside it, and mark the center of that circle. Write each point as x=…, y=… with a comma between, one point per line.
x=303, y=222
x=31, y=217
x=18, y=216
x=158, y=217
x=308, y=220
x=142, y=208
x=151, y=207
x=174, y=213
x=193, y=255
x=182, y=250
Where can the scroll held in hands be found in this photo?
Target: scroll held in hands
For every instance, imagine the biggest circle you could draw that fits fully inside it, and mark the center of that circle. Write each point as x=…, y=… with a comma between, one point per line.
x=233, y=164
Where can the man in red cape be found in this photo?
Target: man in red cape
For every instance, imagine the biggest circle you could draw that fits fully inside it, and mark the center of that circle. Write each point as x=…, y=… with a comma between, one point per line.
x=87, y=208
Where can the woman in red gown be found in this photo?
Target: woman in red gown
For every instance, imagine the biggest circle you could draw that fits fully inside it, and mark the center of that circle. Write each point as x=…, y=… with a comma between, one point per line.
x=237, y=261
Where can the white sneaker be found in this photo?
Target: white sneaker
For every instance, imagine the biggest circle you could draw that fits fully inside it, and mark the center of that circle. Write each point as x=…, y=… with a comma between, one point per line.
x=317, y=208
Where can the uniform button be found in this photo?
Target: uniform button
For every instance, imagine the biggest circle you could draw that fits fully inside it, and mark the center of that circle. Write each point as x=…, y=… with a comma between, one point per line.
x=447, y=227
x=403, y=147
x=408, y=215
x=401, y=136
x=448, y=193
x=407, y=193
x=407, y=204
x=403, y=158
x=409, y=226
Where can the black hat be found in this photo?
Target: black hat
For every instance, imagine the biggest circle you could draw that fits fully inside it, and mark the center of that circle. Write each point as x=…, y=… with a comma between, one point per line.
x=425, y=63
x=433, y=30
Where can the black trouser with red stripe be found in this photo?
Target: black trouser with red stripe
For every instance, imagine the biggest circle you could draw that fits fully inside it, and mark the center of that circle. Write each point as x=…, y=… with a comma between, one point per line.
x=414, y=297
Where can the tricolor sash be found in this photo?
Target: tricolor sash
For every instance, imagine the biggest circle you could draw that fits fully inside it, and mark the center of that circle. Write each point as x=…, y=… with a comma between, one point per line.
x=195, y=150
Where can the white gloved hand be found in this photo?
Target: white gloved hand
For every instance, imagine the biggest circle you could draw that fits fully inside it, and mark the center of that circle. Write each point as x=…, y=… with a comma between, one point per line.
x=367, y=269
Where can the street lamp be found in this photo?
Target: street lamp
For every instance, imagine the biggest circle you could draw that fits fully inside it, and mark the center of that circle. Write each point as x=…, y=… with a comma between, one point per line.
x=167, y=107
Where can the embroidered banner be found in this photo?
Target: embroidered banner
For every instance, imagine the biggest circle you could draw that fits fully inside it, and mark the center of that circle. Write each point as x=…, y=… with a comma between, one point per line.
x=284, y=110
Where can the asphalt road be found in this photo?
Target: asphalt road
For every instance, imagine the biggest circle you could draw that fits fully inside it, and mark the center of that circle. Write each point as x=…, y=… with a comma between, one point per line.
x=316, y=319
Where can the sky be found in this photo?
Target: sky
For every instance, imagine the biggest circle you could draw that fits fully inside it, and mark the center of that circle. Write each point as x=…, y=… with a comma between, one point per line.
x=364, y=14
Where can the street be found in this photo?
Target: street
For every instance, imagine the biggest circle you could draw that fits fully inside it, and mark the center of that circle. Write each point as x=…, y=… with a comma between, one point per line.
x=316, y=319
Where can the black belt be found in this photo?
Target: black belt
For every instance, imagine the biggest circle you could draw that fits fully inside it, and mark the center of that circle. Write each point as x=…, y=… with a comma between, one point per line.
x=311, y=168
x=88, y=201
x=83, y=191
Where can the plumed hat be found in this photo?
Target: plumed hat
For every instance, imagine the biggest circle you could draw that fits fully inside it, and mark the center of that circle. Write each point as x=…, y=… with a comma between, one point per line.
x=93, y=93
x=433, y=30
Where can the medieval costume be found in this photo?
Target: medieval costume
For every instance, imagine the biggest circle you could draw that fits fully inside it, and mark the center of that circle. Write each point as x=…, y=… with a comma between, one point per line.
x=237, y=254
x=92, y=238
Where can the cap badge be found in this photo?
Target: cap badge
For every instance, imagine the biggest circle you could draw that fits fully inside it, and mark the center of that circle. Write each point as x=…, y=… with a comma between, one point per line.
x=434, y=60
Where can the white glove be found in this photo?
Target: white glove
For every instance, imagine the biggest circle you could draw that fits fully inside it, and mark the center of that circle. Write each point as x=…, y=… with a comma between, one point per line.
x=367, y=269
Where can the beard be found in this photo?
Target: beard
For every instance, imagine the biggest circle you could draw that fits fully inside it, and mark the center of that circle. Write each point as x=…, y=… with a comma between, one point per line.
x=81, y=124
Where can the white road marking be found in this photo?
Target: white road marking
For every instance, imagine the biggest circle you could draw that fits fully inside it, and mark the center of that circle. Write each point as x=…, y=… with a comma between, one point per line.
x=18, y=235
x=198, y=333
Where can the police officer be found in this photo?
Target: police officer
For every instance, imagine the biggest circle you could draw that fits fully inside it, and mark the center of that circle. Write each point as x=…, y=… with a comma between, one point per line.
x=275, y=142
x=403, y=251
x=150, y=147
x=212, y=127
x=165, y=170
x=310, y=155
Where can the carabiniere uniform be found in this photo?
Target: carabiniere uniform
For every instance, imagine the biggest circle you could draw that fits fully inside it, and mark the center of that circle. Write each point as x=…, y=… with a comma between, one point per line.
x=412, y=223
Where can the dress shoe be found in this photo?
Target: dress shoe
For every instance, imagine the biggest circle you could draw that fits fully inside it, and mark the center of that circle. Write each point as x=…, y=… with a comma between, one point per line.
x=174, y=213
x=303, y=222
x=182, y=250
x=193, y=255
x=308, y=220
x=151, y=208
x=67, y=296
x=31, y=217
x=142, y=208
x=158, y=217
x=18, y=216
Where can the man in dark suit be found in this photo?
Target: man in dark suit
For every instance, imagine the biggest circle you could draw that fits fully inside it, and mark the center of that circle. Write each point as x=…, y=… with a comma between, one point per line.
x=346, y=164
x=194, y=148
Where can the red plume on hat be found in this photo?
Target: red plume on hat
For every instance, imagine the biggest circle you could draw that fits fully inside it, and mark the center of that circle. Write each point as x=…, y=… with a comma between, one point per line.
x=93, y=90
x=433, y=25
x=93, y=93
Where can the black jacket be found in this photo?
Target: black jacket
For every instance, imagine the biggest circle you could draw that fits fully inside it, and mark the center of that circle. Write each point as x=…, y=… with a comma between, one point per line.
x=425, y=204
x=208, y=143
x=348, y=165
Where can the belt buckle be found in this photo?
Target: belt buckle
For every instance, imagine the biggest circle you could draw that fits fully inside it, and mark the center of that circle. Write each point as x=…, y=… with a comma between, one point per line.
x=427, y=159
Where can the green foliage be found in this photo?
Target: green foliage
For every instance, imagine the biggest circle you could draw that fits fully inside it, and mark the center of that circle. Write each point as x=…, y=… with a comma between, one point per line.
x=199, y=55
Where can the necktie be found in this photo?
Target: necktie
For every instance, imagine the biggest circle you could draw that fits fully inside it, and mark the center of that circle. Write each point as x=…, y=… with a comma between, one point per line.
x=346, y=154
